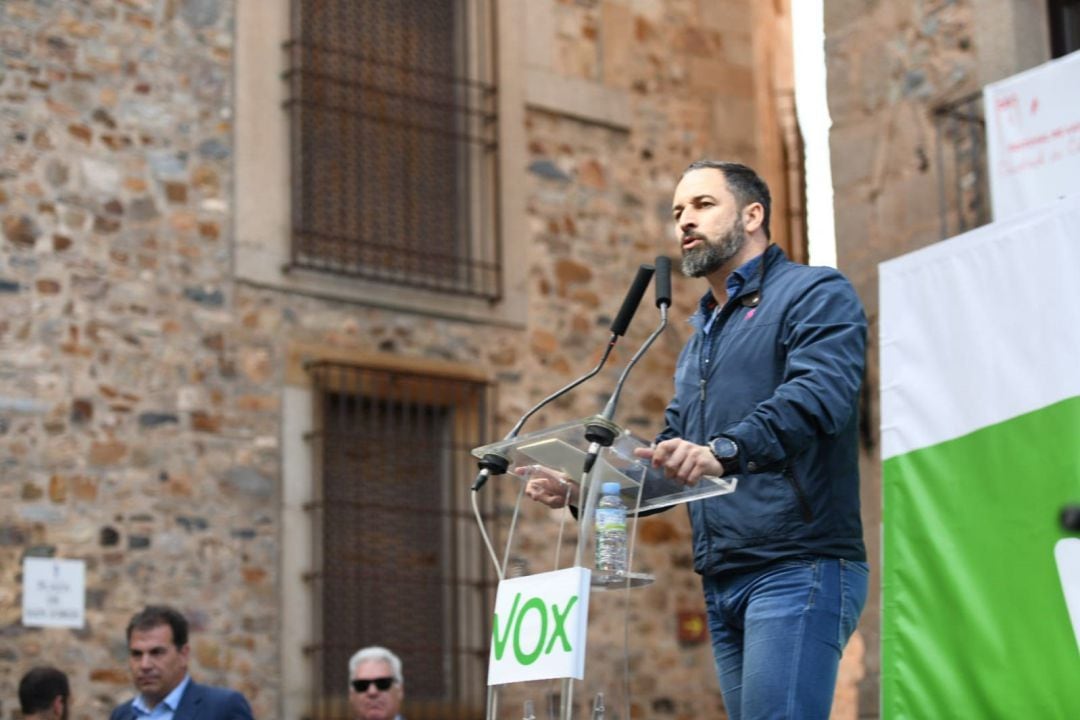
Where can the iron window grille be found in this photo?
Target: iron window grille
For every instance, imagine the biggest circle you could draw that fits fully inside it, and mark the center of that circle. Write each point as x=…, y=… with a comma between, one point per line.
x=398, y=559
x=1064, y=16
x=394, y=143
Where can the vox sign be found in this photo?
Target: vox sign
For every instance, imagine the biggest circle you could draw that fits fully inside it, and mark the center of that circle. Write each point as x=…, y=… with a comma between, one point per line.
x=539, y=627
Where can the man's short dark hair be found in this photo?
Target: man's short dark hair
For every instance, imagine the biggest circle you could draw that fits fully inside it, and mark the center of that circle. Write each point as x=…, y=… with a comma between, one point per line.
x=40, y=687
x=153, y=616
x=745, y=184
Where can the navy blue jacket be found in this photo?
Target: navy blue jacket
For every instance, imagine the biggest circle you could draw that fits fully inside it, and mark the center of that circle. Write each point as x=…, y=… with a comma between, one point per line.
x=782, y=380
x=199, y=702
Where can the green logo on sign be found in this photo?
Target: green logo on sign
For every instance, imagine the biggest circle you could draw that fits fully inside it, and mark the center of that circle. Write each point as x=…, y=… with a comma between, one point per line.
x=538, y=605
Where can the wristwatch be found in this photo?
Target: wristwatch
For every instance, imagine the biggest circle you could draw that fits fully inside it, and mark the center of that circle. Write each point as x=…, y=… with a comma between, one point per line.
x=726, y=451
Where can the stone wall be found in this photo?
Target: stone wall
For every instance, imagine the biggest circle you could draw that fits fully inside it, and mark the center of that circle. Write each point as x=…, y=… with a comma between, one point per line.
x=134, y=434
x=141, y=385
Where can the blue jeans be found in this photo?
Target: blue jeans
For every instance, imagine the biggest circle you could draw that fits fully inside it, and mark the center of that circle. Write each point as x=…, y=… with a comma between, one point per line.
x=778, y=633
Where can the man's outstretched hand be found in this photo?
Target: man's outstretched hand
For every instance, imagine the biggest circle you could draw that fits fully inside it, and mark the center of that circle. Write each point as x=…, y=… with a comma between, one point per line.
x=681, y=460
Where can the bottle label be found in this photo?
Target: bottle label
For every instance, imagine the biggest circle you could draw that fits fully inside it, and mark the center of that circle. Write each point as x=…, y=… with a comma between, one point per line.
x=607, y=520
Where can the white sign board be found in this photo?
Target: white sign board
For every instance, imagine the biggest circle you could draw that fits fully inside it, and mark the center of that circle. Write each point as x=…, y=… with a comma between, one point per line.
x=54, y=593
x=539, y=628
x=1033, y=136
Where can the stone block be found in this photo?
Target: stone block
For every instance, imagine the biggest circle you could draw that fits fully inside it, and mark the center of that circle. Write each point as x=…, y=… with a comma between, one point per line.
x=20, y=230
x=731, y=117
x=620, y=45
x=854, y=148
x=735, y=16
x=107, y=452
x=58, y=489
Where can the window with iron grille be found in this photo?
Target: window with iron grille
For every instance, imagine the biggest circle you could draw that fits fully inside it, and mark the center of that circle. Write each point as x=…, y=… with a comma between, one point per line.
x=963, y=185
x=1064, y=26
x=399, y=561
x=394, y=142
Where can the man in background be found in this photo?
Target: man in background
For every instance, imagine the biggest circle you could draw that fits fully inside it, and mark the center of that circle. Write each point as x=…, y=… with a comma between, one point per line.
x=44, y=694
x=376, y=685
x=158, y=653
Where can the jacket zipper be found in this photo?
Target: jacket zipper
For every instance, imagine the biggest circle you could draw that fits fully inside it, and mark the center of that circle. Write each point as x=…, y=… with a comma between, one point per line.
x=701, y=405
x=804, y=506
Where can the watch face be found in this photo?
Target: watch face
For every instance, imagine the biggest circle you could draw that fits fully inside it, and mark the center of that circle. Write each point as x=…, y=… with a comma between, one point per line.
x=725, y=448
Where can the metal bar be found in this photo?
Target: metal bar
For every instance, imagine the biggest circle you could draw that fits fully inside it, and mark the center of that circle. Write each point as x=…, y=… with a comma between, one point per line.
x=378, y=274
x=959, y=179
x=975, y=151
x=950, y=107
x=327, y=265
x=329, y=79
x=443, y=257
x=313, y=48
x=486, y=143
x=942, y=205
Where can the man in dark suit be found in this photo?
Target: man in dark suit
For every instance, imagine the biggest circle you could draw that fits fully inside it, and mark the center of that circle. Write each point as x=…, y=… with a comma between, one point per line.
x=158, y=656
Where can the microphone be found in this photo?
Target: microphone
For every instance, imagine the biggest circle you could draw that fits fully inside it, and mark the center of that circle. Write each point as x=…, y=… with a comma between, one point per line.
x=601, y=431
x=663, y=280
x=632, y=300
x=491, y=464
x=496, y=464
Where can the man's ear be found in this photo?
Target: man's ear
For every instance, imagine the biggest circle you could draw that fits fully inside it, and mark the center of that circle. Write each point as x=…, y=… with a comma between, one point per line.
x=58, y=706
x=753, y=216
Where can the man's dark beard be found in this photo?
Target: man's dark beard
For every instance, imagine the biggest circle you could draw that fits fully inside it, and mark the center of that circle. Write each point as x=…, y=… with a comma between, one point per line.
x=710, y=257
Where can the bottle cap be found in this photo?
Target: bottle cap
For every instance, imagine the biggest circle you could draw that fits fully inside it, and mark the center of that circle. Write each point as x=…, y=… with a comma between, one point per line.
x=611, y=488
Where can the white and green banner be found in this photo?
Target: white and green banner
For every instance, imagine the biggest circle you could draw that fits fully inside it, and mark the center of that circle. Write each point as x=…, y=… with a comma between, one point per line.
x=539, y=628
x=980, y=430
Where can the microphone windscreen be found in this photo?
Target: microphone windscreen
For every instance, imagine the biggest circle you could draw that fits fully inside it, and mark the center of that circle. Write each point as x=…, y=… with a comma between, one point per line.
x=663, y=281
x=632, y=300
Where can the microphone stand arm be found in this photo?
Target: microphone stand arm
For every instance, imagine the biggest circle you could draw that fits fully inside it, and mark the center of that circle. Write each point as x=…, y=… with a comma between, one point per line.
x=494, y=464
x=601, y=428
x=602, y=431
x=562, y=391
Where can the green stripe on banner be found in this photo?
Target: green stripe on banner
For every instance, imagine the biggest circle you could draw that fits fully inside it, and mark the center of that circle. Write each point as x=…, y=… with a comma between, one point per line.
x=974, y=623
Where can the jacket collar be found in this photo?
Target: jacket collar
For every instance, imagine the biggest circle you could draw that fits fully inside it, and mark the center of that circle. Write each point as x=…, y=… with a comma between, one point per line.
x=749, y=292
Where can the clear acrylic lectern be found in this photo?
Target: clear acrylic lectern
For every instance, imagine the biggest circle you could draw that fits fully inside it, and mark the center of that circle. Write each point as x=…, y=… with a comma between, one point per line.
x=565, y=448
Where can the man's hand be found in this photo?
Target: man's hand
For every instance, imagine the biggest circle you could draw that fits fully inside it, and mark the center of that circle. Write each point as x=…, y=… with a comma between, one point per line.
x=550, y=487
x=682, y=461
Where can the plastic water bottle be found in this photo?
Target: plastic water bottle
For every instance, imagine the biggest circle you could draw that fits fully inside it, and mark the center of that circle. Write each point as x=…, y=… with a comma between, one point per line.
x=611, y=531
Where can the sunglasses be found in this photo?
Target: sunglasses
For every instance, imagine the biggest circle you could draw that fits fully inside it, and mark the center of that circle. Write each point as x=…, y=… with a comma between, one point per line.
x=383, y=683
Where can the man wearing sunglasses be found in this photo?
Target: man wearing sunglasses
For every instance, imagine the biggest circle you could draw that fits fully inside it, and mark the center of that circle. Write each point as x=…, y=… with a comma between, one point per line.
x=376, y=686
